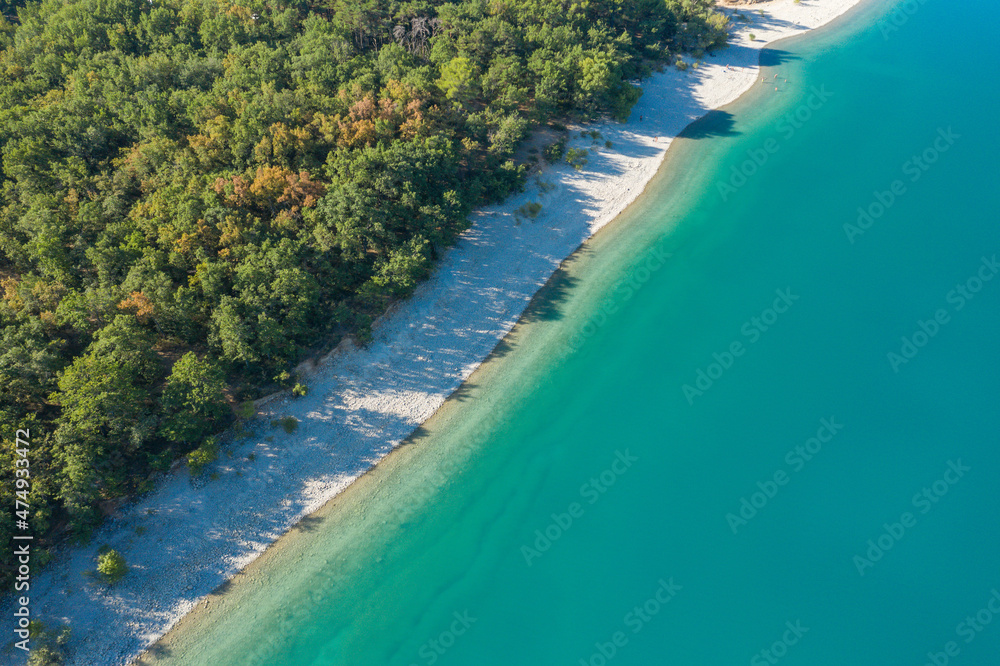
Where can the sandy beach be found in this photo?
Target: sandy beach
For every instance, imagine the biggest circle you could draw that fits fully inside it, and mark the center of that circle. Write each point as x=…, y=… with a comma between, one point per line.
x=186, y=538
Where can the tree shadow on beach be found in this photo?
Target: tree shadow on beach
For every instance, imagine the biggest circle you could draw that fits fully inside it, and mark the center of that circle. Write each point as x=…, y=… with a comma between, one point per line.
x=547, y=303
x=712, y=124
x=153, y=653
x=465, y=389
x=307, y=524
x=770, y=57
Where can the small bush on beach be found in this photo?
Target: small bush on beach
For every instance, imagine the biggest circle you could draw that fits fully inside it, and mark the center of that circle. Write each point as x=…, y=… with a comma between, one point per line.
x=530, y=209
x=207, y=453
x=681, y=65
x=289, y=424
x=555, y=151
x=299, y=390
x=111, y=566
x=753, y=37
x=47, y=644
x=245, y=410
x=577, y=157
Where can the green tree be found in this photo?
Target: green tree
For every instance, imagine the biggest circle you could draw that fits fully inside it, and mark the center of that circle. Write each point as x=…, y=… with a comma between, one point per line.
x=111, y=566
x=459, y=80
x=106, y=416
x=193, y=402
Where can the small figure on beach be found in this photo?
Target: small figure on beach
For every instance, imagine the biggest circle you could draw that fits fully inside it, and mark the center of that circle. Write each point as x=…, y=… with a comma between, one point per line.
x=640, y=117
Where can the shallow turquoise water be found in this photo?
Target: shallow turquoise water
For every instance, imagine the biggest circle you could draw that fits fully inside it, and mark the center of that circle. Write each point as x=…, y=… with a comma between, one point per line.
x=583, y=430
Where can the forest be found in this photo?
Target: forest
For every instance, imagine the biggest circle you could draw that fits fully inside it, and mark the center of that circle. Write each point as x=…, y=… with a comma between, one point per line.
x=195, y=195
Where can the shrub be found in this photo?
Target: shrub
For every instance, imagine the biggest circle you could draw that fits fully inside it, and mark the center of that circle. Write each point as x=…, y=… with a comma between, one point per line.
x=111, y=566
x=207, y=453
x=289, y=424
x=530, y=209
x=245, y=410
x=555, y=151
x=47, y=644
x=752, y=37
x=577, y=157
x=681, y=65
x=299, y=390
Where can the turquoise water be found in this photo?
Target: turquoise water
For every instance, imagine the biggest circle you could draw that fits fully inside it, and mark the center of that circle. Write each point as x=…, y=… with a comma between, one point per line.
x=728, y=523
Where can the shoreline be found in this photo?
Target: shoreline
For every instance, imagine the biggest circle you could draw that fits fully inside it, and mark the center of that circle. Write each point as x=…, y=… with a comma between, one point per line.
x=364, y=403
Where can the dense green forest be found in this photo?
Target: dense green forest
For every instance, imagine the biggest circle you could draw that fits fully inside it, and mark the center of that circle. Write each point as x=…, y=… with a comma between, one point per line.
x=195, y=194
